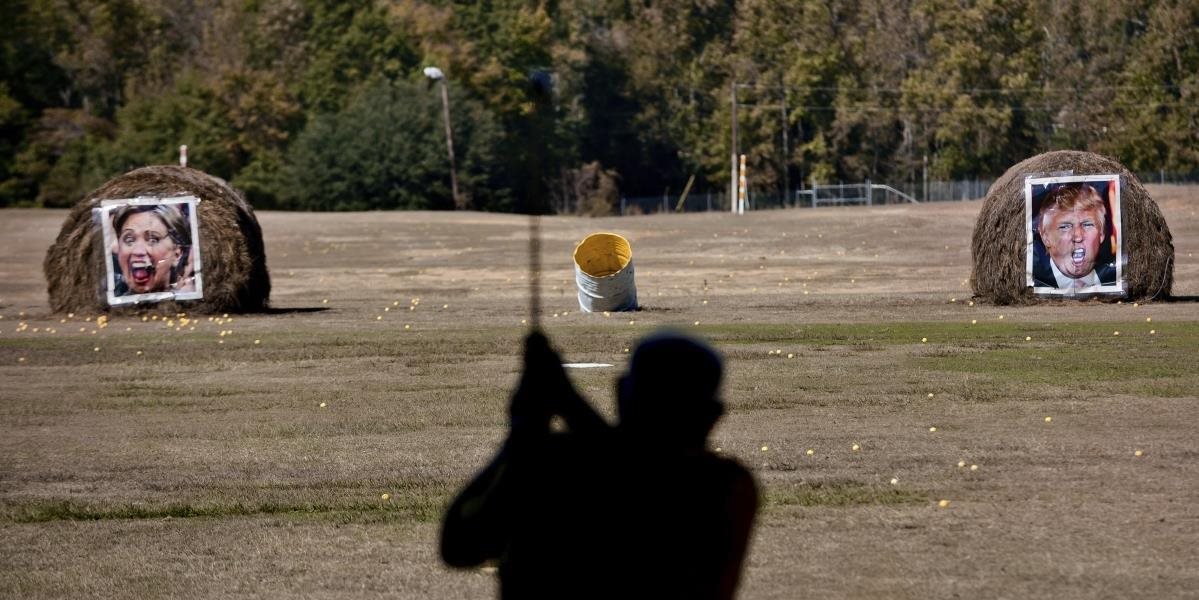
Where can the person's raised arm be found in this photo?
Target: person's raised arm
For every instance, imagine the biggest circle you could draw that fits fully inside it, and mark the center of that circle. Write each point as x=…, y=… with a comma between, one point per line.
x=473, y=530
x=545, y=375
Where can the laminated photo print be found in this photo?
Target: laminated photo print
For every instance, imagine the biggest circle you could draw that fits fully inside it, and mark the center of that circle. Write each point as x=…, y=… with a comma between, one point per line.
x=1075, y=246
x=153, y=249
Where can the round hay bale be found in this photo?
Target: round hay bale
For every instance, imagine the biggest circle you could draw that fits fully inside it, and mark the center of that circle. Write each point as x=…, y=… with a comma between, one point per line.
x=235, y=277
x=1000, y=242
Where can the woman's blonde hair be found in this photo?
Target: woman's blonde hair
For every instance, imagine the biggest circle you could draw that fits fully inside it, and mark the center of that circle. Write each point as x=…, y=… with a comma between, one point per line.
x=169, y=214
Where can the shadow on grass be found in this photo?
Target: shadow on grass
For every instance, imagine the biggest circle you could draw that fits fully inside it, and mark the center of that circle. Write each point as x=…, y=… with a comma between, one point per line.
x=293, y=310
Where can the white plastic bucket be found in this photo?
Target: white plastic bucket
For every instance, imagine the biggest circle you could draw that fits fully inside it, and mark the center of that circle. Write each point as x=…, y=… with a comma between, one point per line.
x=604, y=273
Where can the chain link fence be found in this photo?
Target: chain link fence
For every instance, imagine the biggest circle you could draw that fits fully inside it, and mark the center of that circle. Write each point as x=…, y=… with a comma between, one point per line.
x=847, y=194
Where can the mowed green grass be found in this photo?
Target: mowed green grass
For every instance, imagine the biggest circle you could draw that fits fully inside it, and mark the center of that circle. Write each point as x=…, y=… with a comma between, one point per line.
x=962, y=362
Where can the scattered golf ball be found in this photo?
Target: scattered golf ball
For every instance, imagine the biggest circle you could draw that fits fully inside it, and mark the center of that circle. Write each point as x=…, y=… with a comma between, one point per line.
x=943, y=504
x=1115, y=333
x=894, y=481
x=1028, y=338
x=856, y=448
x=930, y=394
x=973, y=321
x=932, y=429
x=1138, y=453
x=96, y=349
x=256, y=342
x=1152, y=332
x=385, y=496
x=323, y=405
x=973, y=467
x=961, y=463
x=1048, y=419
x=810, y=452
x=923, y=340
x=765, y=448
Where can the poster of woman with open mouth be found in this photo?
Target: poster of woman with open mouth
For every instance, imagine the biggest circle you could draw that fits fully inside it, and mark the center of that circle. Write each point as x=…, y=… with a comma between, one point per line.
x=1074, y=235
x=154, y=249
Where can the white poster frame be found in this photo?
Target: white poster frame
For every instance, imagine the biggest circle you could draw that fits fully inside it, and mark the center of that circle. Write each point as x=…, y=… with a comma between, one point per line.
x=1034, y=189
x=104, y=216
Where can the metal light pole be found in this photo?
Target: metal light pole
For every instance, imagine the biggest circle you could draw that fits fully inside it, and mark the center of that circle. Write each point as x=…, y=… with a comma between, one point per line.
x=436, y=75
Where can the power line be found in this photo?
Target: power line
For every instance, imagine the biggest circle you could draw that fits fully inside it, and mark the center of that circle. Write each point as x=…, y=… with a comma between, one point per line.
x=966, y=90
x=931, y=109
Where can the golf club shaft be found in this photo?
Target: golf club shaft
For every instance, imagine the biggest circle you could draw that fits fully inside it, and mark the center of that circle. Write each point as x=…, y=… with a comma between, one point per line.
x=534, y=272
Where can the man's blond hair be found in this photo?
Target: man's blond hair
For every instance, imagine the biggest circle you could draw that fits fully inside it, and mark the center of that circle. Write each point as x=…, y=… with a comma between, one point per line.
x=1072, y=196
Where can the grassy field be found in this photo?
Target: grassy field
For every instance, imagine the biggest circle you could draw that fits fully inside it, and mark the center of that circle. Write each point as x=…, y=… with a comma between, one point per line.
x=247, y=455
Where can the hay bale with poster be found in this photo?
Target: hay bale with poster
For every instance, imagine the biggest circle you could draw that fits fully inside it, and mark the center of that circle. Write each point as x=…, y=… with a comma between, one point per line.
x=164, y=239
x=1066, y=211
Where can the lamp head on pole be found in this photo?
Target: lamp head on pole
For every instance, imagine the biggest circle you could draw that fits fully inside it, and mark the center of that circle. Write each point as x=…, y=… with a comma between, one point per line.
x=434, y=73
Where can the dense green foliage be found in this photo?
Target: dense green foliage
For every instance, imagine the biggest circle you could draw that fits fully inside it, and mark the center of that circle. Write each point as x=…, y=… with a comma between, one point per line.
x=321, y=104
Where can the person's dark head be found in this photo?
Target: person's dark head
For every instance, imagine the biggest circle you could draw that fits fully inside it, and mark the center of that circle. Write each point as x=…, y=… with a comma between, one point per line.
x=669, y=396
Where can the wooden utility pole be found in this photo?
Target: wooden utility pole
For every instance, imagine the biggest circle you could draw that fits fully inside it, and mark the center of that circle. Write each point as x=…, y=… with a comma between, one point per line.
x=733, y=185
x=786, y=153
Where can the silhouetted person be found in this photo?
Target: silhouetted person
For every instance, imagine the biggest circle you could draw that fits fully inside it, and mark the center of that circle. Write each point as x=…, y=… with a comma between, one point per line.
x=640, y=510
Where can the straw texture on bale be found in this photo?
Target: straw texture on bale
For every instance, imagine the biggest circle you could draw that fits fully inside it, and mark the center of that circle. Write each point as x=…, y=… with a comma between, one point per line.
x=1000, y=242
x=233, y=259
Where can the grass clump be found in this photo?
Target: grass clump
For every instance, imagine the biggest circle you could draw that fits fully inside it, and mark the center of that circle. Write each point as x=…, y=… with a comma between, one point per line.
x=838, y=493
x=420, y=507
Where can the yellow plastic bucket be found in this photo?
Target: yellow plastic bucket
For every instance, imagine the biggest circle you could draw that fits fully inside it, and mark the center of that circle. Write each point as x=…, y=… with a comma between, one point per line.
x=604, y=273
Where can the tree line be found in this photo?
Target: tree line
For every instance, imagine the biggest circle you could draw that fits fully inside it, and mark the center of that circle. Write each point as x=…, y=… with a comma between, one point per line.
x=322, y=104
